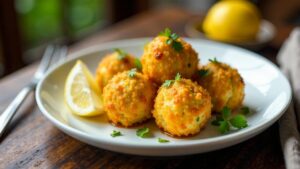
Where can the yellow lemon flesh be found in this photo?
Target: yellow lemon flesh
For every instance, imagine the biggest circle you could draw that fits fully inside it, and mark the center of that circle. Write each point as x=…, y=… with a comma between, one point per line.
x=232, y=21
x=82, y=94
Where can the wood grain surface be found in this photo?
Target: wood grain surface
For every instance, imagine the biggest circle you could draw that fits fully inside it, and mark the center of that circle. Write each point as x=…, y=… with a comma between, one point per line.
x=33, y=142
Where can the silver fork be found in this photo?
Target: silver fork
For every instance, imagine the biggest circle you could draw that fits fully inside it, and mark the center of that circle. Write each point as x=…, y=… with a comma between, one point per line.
x=52, y=55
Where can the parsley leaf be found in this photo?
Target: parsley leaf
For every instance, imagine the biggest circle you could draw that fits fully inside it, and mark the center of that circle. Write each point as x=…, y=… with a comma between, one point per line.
x=245, y=110
x=177, y=46
x=161, y=140
x=224, y=122
x=174, y=36
x=132, y=72
x=203, y=72
x=138, y=63
x=224, y=127
x=177, y=77
x=239, y=121
x=172, y=39
x=116, y=133
x=214, y=60
x=169, y=41
x=166, y=32
x=143, y=132
x=121, y=53
x=198, y=119
x=226, y=112
x=167, y=83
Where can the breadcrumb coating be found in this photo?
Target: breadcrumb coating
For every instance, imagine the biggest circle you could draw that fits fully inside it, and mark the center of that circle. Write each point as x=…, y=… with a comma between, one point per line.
x=161, y=62
x=110, y=65
x=182, y=109
x=224, y=84
x=128, y=100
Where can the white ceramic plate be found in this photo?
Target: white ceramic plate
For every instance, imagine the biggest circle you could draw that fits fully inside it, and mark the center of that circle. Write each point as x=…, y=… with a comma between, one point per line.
x=268, y=94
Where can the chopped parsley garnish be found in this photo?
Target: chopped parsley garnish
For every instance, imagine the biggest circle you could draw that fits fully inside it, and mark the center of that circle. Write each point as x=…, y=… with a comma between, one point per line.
x=177, y=77
x=245, y=110
x=132, y=72
x=224, y=127
x=167, y=32
x=121, y=53
x=226, y=112
x=161, y=140
x=138, y=63
x=225, y=122
x=168, y=83
x=116, y=133
x=214, y=60
x=197, y=119
x=172, y=39
x=203, y=72
x=239, y=121
x=143, y=132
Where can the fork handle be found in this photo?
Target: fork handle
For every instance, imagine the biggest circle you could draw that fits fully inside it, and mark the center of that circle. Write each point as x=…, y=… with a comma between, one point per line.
x=12, y=108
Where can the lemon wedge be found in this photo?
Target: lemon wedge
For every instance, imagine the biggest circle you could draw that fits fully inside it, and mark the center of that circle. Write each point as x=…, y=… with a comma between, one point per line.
x=82, y=94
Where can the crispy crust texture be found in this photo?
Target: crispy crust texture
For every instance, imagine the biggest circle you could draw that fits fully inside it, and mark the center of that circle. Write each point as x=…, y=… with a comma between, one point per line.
x=110, y=65
x=128, y=100
x=182, y=109
x=161, y=62
x=224, y=84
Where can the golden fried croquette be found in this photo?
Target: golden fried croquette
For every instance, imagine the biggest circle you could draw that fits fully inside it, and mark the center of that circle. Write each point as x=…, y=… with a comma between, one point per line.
x=224, y=84
x=112, y=64
x=128, y=98
x=161, y=61
x=183, y=108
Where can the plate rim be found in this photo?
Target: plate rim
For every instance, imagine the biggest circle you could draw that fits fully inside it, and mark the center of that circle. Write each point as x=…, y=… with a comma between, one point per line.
x=234, y=137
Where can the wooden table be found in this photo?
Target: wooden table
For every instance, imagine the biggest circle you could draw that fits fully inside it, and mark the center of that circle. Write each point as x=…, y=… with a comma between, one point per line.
x=33, y=142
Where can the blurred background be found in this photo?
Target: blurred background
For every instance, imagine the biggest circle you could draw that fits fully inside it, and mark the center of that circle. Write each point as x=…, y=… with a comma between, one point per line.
x=27, y=26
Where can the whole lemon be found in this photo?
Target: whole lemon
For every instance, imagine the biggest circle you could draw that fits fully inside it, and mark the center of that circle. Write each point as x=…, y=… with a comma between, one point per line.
x=232, y=21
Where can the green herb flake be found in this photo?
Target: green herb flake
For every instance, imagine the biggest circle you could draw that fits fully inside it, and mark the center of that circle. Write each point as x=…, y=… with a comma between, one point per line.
x=198, y=119
x=169, y=41
x=121, y=53
x=138, y=64
x=226, y=112
x=239, y=121
x=214, y=60
x=174, y=36
x=225, y=123
x=116, y=133
x=167, y=83
x=224, y=127
x=166, y=32
x=177, y=46
x=161, y=140
x=172, y=39
x=143, y=132
x=132, y=72
x=245, y=110
x=177, y=77
x=203, y=72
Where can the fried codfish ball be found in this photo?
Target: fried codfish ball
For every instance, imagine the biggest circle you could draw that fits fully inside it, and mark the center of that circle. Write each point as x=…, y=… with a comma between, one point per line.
x=112, y=64
x=224, y=84
x=183, y=108
x=128, y=98
x=161, y=61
